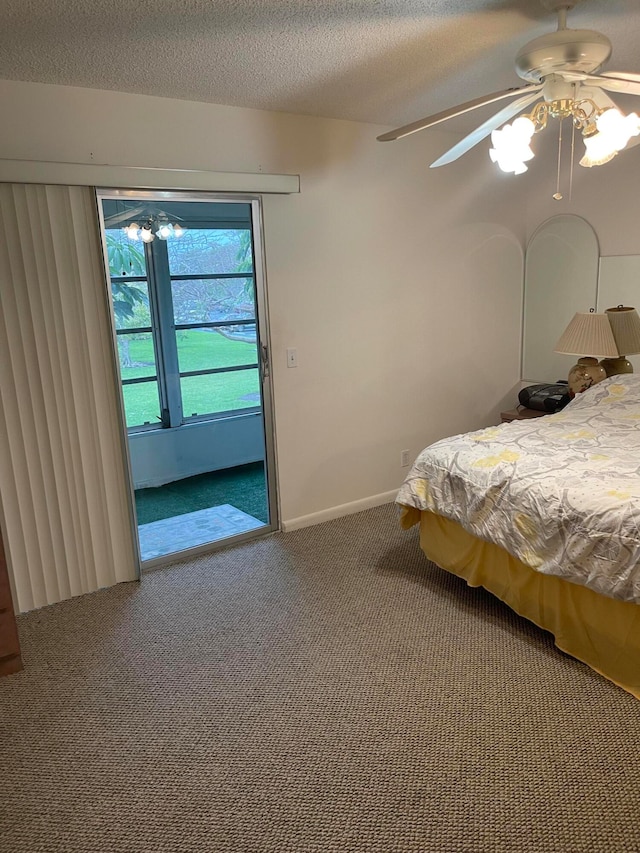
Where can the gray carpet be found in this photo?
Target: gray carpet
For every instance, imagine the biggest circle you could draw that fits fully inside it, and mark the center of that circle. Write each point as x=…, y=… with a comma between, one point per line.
x=325, y=690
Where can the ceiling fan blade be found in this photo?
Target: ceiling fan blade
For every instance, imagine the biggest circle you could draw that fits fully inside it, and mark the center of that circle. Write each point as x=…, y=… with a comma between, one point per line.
x=438, y=118
x=484, y=130
x=581, y=77
x=116, y=218
x=622, y=75
x=629, y=86
x=623, y=84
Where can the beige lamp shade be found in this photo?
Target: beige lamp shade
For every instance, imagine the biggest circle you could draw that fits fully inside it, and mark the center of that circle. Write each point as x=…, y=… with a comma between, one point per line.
x=625, y=325
x=588, y=335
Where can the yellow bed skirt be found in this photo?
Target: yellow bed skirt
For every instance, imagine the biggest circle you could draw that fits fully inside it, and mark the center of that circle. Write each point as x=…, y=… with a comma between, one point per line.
x=602, y=632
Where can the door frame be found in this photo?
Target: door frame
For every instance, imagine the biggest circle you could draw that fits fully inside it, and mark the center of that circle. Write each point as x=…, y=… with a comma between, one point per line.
x=264, y=357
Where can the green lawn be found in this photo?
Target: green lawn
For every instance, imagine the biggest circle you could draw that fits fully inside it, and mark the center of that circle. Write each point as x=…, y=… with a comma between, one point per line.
x=202, y=395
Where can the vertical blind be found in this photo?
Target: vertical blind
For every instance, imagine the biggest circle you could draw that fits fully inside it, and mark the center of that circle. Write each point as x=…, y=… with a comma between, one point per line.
x=63, y=482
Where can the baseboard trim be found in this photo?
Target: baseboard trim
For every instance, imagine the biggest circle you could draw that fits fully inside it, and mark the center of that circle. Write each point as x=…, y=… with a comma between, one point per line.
x=338, y=511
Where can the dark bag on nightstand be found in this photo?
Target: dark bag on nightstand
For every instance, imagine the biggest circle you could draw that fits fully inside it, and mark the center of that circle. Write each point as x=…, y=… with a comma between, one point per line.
x=544, y=398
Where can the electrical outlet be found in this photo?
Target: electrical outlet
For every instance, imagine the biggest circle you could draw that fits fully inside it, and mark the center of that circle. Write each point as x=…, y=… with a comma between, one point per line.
x=404, y=458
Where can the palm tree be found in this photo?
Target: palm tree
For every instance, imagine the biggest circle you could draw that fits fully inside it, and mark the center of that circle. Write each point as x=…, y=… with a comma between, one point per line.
x=126, y=296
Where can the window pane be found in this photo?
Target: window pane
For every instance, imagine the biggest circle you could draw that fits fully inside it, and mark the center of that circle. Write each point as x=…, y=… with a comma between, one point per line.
x=131, y=304
x=126, y=257
x=220, y=392
x=209, y=250
x=141, y=403
x=130, y=298
x=205, y=349
x=208, y=300
x=136, y=355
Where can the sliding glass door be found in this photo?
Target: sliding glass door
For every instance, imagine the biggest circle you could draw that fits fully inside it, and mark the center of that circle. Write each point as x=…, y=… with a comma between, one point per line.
x=188, y=302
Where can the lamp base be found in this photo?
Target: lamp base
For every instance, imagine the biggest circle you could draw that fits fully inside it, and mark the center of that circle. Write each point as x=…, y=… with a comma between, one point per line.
x=584, y=374
x=614, y=366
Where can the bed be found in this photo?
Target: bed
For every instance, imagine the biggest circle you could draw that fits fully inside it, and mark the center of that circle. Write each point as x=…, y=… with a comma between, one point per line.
x=545, y=514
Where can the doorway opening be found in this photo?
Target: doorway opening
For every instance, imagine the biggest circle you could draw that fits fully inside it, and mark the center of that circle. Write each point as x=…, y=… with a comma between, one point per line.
x=186, y=274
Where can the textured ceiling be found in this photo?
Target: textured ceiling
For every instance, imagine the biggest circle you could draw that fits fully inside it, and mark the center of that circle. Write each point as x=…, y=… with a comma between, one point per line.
x=382, y=61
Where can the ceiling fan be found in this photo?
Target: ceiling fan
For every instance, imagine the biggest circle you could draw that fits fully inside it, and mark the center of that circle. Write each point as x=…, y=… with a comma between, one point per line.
x=152, y=218
x=562, y=70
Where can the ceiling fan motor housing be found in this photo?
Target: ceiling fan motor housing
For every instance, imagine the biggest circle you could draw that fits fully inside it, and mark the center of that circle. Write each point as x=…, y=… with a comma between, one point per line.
x=565, y=50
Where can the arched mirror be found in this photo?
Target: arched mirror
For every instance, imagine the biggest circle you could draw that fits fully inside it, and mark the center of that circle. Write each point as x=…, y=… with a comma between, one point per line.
x=561, y=277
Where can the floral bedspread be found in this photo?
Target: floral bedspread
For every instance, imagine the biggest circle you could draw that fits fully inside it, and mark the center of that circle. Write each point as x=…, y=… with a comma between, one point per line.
x=561, y=493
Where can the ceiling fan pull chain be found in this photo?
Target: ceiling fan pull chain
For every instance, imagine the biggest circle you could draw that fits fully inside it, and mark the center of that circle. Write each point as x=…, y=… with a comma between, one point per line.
x=573, y=148
x=557, y=194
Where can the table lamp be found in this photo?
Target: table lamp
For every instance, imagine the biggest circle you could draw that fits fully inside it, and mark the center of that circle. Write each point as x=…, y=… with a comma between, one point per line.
x=587, y=333
x=625, y=325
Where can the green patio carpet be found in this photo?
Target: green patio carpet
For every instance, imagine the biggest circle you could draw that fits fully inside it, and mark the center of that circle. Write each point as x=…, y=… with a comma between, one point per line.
x=243, y=487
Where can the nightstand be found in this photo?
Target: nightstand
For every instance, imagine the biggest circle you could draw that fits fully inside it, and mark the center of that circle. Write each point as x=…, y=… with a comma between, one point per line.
x=521, y=414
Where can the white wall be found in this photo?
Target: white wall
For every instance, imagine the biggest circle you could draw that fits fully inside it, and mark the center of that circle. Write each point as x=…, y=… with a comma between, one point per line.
x=400, y=287
x=606, y=196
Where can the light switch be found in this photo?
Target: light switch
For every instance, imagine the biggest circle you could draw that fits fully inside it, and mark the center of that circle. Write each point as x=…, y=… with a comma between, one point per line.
x=292, y=357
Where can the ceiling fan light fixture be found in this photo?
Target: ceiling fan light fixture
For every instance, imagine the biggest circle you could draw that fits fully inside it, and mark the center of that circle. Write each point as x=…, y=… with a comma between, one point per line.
x=509, y=161
x=523, y=129
x=512, y=140
x=614, y=130
x=511, y=149
x=165, y=230
x=146, y=234
x=598, y=150
x=618, y=127
x=156, y=224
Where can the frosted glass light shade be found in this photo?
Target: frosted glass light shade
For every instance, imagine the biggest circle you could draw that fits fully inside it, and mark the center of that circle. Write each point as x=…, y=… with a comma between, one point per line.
x=588, y=335
x=599, y=149
x=614, y=132
x=617, y=127
x=165, y=230
x=511, y=145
